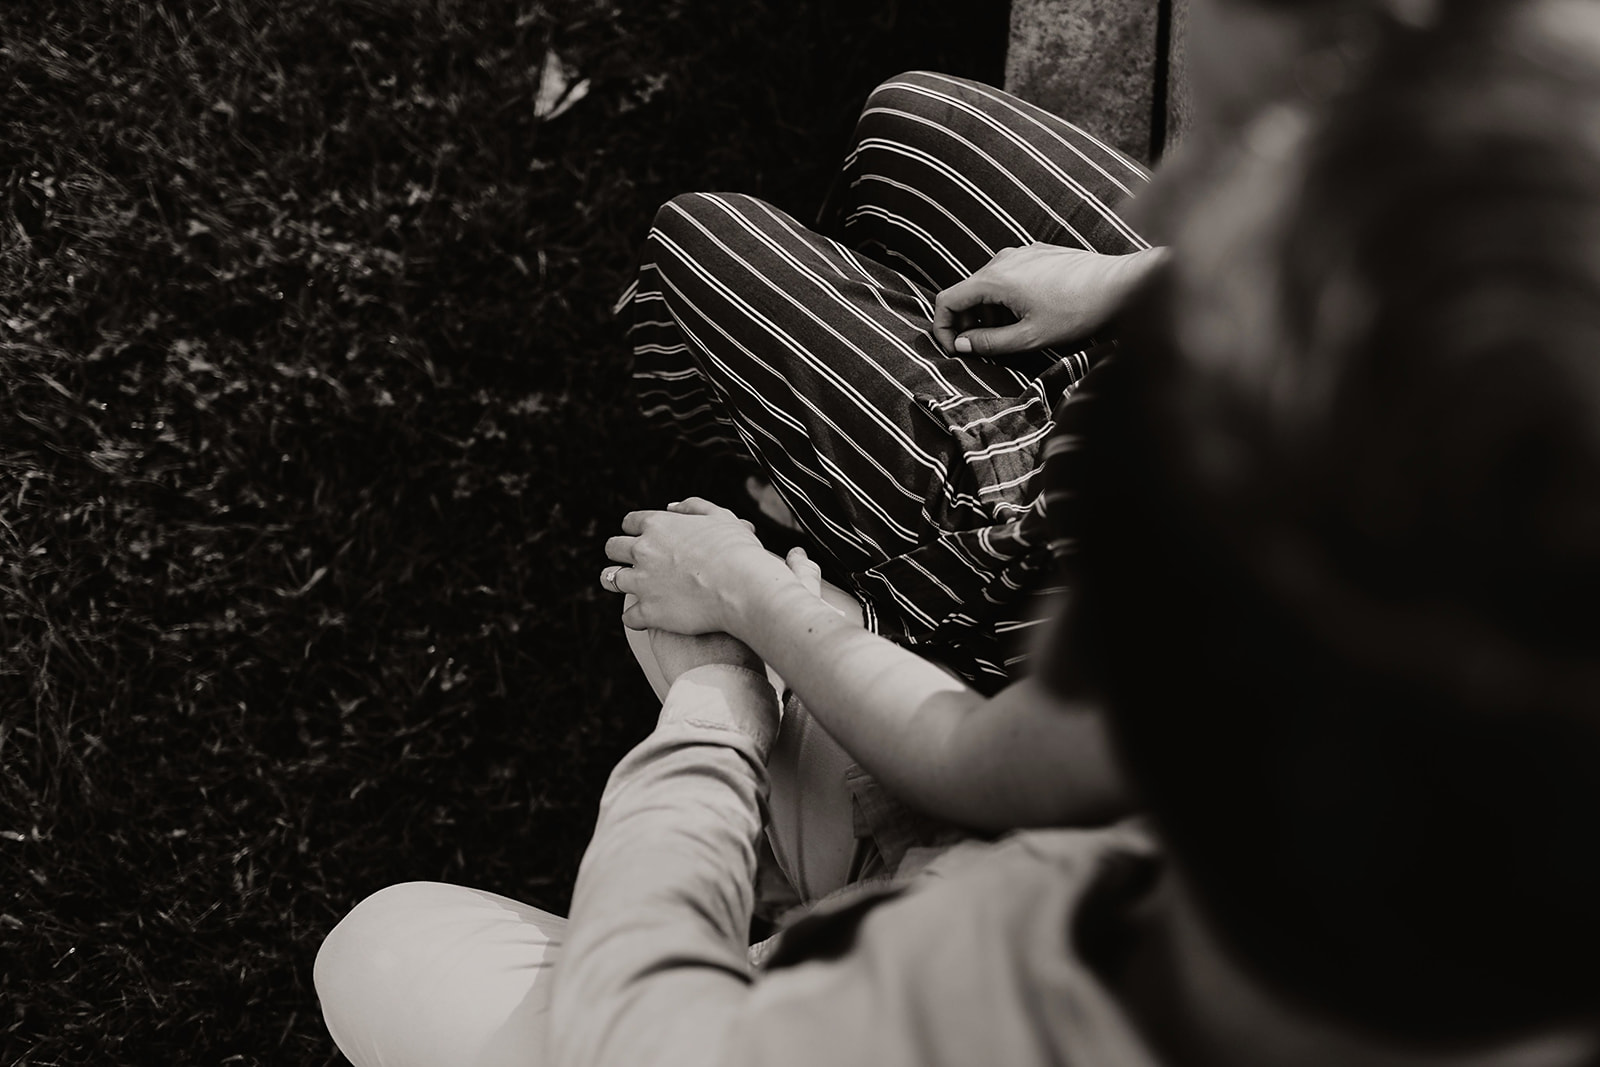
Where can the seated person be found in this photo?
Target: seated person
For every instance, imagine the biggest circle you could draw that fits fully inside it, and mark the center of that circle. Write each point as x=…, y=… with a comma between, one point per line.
x=829, y=361
x=894, y=371
x=1341, y=545
x=896, y=374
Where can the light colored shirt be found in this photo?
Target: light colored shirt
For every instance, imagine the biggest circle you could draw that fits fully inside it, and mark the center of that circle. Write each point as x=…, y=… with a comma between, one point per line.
x=973, y=962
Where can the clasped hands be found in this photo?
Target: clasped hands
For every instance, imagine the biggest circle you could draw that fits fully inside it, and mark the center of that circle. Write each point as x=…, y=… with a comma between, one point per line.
x=1036, y=296
x=688, y=571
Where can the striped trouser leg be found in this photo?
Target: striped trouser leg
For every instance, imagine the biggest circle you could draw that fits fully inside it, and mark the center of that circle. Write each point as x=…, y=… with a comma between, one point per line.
x=945, y=173
x=813, y=354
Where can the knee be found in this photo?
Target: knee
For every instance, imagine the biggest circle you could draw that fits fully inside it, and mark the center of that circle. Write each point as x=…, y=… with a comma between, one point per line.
x=902, y=107
x=383, y=975
x=357, y=955
x=688, y=228
x=688, y=218
x=427, y=972
x=683, y=212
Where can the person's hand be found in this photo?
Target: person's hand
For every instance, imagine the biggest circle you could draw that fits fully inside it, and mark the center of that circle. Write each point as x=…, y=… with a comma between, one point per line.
x=677, y=653
x=806, y=569
x=686, y=566
x=1034, y=297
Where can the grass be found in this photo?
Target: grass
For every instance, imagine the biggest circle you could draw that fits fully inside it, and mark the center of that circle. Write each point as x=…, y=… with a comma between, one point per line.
x=313, y=423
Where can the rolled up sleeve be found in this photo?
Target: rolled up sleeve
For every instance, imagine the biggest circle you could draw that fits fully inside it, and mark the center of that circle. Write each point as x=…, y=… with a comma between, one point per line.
x=655, y=964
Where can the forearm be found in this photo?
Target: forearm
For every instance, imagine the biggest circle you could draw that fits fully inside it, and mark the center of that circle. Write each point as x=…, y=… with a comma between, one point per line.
x=1131, y=270
x=1031, y=758
x=923, y=733
x=889, y=708
x=655, y=962
x=1020, y=759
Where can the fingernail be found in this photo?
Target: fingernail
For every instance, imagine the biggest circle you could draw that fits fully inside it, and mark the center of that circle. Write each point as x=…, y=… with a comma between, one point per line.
x=963, y=344
x=674, y=504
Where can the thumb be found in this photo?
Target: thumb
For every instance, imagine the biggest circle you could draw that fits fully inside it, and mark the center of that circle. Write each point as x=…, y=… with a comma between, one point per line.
x=805, y=569
x=950, y=305
x=996, y=340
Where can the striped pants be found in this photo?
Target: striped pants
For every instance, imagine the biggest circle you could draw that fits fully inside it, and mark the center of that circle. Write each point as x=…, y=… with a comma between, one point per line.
x=915, y=472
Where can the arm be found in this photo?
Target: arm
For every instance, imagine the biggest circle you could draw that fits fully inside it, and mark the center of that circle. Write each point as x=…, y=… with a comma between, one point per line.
x=1040, y=295
x=1022, y=758
x=655, y=966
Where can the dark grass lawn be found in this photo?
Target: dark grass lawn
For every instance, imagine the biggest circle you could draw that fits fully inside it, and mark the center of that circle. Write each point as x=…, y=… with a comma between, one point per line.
x=313, y=423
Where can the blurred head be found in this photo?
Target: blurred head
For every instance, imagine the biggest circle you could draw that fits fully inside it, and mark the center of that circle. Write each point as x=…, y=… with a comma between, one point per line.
x=1245, y=56
x=1341, y=556
x=1242, y=54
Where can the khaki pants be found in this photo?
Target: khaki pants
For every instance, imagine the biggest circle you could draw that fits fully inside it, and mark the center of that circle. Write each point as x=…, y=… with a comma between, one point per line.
x=425, y=974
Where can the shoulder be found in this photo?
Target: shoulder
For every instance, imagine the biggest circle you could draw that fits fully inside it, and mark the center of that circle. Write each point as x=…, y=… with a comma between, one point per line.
x=964, y=965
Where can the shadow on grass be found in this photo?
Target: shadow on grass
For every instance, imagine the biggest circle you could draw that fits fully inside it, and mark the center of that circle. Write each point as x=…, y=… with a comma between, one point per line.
x=313, y=423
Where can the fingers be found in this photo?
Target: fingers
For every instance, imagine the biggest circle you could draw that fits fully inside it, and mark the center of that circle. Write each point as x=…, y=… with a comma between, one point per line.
x=805, y=569
x=625, y=547
x=973, y=305
x=965, y=294
x=620, y=549
x=633, y=615
x=696, y=505
x=998, y=340
x=951, y=303
x=617, y=579
x=700, y=506
x=634, y=522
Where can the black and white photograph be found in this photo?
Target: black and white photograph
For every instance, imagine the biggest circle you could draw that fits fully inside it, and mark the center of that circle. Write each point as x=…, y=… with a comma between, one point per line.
x=738, y=533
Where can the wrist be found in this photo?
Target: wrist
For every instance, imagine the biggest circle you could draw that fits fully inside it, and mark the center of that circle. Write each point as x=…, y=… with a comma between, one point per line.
x=677, y=654
x=725, y=697
x=1137, y=266
x=748, y=601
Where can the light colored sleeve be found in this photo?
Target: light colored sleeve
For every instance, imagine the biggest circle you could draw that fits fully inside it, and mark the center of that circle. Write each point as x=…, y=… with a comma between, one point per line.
x=655, y=965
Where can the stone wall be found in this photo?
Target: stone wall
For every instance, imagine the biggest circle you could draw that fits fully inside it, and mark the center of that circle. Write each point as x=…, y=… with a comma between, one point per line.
x=1095, y=62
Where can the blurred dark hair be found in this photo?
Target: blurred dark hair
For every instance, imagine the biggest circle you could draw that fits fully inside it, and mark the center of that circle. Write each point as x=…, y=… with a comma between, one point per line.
x=1341, y=552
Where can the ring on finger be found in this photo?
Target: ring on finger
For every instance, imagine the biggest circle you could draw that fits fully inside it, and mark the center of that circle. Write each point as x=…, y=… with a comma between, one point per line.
x=608, y=579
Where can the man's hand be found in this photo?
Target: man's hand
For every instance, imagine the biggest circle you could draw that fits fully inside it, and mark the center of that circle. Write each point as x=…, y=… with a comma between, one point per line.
x=805, y=568
x=677, y=653
x=1041, y=295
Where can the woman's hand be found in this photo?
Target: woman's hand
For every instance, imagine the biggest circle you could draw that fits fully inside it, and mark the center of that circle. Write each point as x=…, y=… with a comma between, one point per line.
x=1041, y=295
x=688, y=567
